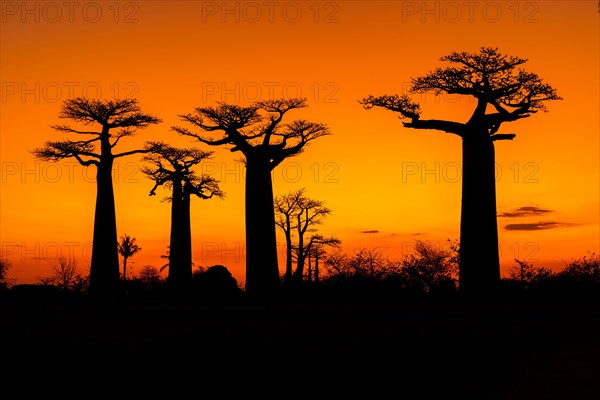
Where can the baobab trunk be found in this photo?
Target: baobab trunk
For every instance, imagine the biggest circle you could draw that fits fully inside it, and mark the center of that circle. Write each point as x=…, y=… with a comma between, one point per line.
x=262, y=271
x=185, y=274
x=176, y=247
x=104, y=268
x=479, y=270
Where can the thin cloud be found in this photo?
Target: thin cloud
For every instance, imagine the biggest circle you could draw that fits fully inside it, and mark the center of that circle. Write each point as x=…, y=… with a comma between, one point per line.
x=536, y=226
x=370, y=232
x=525, y=211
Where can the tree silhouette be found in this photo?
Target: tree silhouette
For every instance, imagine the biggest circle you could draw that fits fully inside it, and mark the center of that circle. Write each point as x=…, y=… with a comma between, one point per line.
x=4, y=267
x=310, y=213
x=127, y=248
x=65, y=273
x=316, y=250
x=299, y=214
x=150, y=276
x=497, y=82
x=286, y=207
x=172, y=167
x=258, y=133
x=123, y=116
x=429, y=267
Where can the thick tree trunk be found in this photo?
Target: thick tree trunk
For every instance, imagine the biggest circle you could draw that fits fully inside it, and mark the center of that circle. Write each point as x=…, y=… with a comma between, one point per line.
x=104, y=268
x=262, y=271
x=176, y=242
x=479, y=271
x=185, y=275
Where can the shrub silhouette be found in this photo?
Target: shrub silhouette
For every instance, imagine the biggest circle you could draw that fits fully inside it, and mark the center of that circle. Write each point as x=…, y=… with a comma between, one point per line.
x=215, y=283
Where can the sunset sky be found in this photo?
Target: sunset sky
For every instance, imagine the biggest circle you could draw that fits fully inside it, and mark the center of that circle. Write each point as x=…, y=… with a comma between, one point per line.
x=387, y=185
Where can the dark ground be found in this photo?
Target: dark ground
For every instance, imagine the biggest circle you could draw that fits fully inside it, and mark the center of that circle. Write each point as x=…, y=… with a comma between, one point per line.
x=434, y=351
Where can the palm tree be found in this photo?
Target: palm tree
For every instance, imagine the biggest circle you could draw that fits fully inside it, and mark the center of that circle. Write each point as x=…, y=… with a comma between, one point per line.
x=127, y=248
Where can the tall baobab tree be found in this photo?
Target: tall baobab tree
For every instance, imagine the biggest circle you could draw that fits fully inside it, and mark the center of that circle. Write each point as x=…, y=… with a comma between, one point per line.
x=127, y=248
x=498, y=84
x=115, y=119
x=172, y=167
x=258, y=133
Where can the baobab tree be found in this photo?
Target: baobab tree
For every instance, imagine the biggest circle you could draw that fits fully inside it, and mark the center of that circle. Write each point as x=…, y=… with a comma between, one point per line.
x=286, y=207
x=497, y=83
x=172, y=167
x=310, y=213
x=297, y=215
x=258, y=133
x=115, y=119
x=127, y=248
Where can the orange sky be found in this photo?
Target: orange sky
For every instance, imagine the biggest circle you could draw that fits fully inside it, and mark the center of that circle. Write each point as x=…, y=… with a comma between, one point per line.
x=374, y=174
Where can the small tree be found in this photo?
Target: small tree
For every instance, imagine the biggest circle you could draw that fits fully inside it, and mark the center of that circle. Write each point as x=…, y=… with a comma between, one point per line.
x=64, y=273
x=317, y=249
x=298, y=214
x=127, y=249
x=65, y=277
x=285, y=209
x=583, y=272
x=4, y=267
x=429, y=267
x=310, y=214
x=150, y=276
x=527, y=274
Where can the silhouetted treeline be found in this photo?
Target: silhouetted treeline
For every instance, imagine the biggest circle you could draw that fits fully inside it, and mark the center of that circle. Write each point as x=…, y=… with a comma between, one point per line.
x=429, y=274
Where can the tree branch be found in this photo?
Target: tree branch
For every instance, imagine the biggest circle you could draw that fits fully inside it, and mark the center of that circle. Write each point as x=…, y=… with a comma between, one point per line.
x=503, y=136
x=128, y=153
x=456, y=128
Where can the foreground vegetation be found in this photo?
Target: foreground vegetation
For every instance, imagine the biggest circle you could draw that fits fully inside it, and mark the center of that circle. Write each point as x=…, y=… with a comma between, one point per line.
x=429, y=274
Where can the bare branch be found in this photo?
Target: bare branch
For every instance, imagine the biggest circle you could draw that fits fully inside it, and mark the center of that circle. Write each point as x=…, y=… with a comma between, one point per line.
x=210, y=142
x=503, y=136
x=128, y=153
x=446, y=126
x=66, y=128
x=55, y=151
